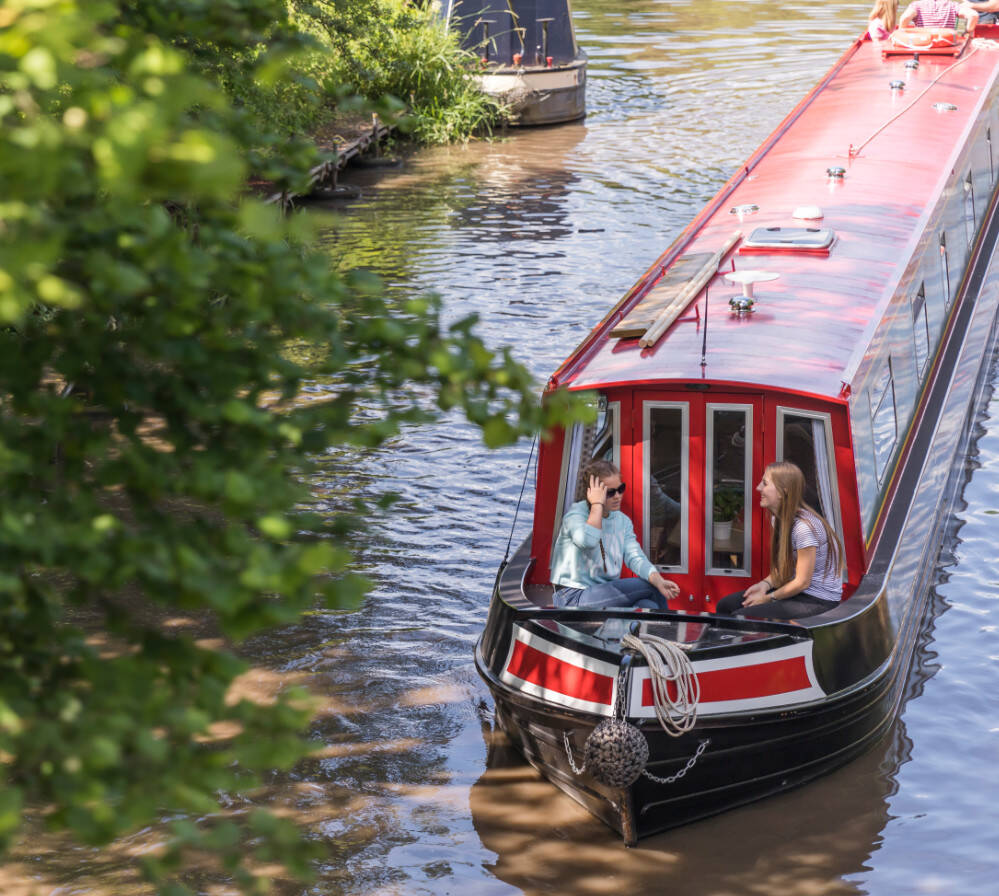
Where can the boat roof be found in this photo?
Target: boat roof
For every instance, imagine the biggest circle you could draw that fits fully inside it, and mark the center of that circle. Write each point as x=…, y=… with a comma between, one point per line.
x=811, y=324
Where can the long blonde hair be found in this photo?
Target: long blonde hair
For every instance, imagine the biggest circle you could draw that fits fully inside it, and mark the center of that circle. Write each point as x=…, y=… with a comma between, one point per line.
x=790, y=484
x=887, y=11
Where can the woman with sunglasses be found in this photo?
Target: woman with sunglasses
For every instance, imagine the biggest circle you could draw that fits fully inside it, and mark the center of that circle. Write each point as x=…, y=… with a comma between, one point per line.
x=595, y=541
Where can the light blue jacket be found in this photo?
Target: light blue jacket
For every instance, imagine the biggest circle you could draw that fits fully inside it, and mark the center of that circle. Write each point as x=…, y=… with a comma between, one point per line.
x=576, y=559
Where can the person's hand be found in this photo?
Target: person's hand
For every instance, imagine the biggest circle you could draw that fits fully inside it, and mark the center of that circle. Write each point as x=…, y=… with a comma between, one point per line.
x=597, y=492
x=665, y=587
x=756, y=594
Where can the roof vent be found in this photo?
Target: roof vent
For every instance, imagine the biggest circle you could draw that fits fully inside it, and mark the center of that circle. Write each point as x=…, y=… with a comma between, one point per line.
x=945, y=107
x=807, y=213
x=897, y=84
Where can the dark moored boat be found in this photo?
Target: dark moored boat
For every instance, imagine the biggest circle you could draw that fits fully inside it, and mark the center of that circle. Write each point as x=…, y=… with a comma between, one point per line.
x=530, y=60
x=867, y=222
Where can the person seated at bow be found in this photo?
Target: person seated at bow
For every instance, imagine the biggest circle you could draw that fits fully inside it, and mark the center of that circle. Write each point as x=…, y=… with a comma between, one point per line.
x=883, y=18
x=938, y=14
x=806, y=555
x=595, y=541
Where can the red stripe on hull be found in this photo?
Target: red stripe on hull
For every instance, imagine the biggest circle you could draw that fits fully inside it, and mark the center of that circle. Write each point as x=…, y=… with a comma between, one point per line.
x=546, y=671
x=744, y=682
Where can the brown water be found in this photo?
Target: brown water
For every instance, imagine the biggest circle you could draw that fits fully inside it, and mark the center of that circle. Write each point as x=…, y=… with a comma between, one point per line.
x=537, y=233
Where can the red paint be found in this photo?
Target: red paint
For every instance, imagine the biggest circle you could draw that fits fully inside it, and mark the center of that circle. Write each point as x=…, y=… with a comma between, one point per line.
x=546, y=671
x=745, y=682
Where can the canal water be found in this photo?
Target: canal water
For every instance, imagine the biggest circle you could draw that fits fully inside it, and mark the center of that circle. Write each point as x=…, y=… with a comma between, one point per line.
x=538, y=233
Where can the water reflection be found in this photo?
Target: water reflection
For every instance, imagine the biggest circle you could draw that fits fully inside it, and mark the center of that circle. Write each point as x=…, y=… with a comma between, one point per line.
x=538, y=233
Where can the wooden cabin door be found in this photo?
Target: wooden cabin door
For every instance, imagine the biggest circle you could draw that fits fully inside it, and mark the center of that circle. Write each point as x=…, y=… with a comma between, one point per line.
x=696, y=460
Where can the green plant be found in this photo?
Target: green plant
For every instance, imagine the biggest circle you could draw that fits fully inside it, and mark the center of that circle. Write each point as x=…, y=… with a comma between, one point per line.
x=728, y=504
x=154, y=459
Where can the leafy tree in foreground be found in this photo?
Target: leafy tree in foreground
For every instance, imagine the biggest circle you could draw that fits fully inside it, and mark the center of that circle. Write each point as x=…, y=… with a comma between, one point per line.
x=150, y=443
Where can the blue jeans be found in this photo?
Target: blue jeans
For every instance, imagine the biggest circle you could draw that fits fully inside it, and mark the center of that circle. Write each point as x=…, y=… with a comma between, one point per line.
x=619, y=593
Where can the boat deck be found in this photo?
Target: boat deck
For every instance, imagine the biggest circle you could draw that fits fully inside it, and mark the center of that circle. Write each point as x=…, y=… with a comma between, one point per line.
x=877, y=212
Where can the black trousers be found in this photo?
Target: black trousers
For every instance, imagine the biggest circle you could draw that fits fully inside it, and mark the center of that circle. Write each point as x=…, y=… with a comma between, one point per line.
x=797, y=607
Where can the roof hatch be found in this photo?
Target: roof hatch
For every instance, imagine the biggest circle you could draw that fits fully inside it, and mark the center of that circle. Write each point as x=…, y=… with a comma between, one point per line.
x=813, y=240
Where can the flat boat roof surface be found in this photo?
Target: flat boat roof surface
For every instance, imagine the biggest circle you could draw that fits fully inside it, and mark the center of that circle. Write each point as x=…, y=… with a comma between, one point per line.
x=809, y=322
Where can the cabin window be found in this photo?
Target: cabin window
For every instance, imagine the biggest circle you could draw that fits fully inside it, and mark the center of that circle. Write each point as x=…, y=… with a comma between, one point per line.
x=805, y=439
x=920, y=328
x=728, y=491
x=884, y=423
x=992, y=165
x=593, y=441
x=945, y=268
x=667, y=430
x=969, y=209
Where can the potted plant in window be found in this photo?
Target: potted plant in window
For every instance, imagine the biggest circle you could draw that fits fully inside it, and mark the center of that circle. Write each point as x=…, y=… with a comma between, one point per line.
x=728, y=504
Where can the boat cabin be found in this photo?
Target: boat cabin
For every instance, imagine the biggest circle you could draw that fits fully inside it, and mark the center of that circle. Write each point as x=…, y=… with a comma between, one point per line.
x=515, y=32
x=691, y=459
x=832, y=271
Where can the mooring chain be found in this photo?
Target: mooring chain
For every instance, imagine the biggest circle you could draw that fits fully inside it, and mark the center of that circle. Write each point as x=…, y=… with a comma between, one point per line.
x=616, y=752
x=576, y=770
x=672, y=779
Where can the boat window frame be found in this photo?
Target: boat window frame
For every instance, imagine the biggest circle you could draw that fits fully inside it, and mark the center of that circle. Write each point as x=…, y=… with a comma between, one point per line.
x=684, y=407
x=709, y=491
x=884, y=387
x=915, y=314
x=574, y=437
x=992, y=167
x=945, y=269
x=783, y=411
x=970, y=225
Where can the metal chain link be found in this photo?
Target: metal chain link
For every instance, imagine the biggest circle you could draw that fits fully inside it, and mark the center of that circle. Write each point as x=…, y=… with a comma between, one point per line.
x=672, y=779
x=568, y=752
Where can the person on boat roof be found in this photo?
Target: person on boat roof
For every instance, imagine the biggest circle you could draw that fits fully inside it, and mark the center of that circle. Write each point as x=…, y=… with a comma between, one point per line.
x=938, y=14
x=806, y=555
x=883, y=18
x=595, y=541
x=988, y=11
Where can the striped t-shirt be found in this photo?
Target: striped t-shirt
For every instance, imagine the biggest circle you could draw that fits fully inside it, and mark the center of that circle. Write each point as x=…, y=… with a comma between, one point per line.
x=935, y=14
x=808, y=532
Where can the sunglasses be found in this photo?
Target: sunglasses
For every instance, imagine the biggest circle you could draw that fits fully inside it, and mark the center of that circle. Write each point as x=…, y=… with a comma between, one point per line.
x=616, y=491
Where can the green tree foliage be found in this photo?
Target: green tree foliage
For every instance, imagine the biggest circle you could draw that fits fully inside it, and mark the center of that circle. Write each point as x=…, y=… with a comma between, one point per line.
x=151, y=443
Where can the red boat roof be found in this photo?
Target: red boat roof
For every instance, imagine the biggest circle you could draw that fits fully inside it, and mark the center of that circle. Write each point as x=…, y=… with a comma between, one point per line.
x=811, y=325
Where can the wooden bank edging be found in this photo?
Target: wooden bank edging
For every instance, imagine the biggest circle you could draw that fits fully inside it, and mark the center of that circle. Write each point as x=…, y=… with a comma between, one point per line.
x=324, y=175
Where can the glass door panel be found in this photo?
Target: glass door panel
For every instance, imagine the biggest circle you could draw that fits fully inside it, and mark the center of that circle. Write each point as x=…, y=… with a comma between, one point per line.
x=729, y=488
x=666, y=506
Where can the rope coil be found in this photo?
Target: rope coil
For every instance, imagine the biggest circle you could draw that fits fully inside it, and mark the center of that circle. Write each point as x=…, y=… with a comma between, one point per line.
x=668, y=664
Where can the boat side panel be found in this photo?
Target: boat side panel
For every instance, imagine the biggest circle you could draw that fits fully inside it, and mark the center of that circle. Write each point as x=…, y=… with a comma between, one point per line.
x=893, y=348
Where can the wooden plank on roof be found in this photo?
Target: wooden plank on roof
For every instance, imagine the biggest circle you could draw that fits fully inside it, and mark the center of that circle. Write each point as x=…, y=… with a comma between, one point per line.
x=668, y=287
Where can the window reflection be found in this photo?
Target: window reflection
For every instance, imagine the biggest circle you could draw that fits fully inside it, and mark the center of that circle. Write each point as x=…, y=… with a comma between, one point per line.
x=728, y=489
x=666, y=489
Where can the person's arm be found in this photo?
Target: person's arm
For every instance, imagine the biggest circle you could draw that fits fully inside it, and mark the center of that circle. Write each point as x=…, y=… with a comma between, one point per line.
x=968, y=12
x=804, y=567
x=636, y=560
x=596, y=495
x=664, y=586
x=984, y=6
x=908, y=17
x=582, y=533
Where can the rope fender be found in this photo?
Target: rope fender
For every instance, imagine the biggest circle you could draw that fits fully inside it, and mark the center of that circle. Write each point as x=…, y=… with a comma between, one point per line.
x=615, y=752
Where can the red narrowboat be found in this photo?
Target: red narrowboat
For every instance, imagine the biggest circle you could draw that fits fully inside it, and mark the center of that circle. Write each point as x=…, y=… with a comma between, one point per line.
x=835, y=305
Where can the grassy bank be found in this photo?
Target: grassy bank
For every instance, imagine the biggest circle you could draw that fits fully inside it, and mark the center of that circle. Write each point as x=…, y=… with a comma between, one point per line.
x=388, y=55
